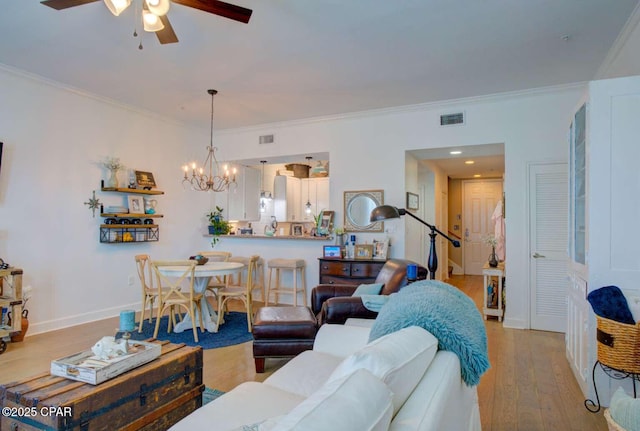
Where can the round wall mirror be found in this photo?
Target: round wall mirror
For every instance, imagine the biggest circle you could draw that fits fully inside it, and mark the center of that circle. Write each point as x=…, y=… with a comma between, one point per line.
x=357, y=210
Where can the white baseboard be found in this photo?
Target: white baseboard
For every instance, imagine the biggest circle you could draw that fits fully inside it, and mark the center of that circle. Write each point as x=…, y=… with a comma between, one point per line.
x=78, y=319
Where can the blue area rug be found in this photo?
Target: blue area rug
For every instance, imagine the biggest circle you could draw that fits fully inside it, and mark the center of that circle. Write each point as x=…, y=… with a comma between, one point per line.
x=232, y=331
x=210, y=394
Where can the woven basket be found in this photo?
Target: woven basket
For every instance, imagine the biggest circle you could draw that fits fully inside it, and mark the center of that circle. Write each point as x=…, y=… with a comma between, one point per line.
x=613, y=425
x=619, y=345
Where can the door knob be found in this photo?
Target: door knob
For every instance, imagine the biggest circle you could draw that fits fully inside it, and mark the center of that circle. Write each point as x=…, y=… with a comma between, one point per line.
x=536, y=255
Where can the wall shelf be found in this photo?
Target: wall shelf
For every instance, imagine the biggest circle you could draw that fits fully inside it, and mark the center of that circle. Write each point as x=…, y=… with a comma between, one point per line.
x=118, y=233
x=125, y=233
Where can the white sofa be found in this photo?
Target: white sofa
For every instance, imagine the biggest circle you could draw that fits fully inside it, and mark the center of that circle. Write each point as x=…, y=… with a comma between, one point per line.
x=398, y=382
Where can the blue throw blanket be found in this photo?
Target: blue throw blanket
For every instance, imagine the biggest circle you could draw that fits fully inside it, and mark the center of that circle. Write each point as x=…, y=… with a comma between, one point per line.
x=448, y=314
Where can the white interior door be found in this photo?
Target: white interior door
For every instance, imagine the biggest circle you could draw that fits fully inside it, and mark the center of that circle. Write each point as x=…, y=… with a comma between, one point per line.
x=480, y=198
x=548, y=239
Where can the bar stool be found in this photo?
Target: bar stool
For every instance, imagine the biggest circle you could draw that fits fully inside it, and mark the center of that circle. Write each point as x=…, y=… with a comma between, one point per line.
x=258, y=274
x=297, y=267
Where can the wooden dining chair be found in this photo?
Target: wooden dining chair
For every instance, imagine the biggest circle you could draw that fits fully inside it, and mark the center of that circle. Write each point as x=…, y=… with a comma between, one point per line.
x=242, y=293
x=176, y=298
x=218, y=281
x=149, y=288
x=257, y=276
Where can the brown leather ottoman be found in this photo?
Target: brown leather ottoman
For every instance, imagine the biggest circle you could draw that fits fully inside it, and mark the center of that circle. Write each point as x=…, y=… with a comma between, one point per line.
x=282, y=332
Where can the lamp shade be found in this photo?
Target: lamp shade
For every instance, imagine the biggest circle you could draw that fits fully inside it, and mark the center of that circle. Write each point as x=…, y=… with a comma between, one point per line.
x=158, y=7
x=384, y=212
x=117, y=6
x=151, y=21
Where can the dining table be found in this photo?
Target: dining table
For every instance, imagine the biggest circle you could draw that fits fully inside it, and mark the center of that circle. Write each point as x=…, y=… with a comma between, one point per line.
x=202, y=275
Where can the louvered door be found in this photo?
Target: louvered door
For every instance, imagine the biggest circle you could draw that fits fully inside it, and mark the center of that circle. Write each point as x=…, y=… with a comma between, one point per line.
x=548, y=238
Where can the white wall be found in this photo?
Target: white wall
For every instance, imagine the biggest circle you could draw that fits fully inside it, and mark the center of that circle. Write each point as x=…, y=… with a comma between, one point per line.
x=367, y=151
x=53, y=138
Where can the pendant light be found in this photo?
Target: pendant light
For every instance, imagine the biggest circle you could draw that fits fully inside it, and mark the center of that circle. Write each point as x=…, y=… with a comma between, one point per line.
x=308, y=204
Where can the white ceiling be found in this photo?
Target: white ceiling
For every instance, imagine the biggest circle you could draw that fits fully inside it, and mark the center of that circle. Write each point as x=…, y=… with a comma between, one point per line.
x=308, y=58
x=300, y=59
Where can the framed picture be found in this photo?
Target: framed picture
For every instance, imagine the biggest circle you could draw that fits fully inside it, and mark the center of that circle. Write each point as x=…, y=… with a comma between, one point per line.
x=326, y=222
x=136, y=204
x=145, y=180
x=380, y=249
x=364, y=251
x=413, y=202
x=332, y=252
x=297, y=229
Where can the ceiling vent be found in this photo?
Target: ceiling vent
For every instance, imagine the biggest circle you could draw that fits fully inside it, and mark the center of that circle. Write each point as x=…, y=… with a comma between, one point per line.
x=266, y=139
x=452, y=119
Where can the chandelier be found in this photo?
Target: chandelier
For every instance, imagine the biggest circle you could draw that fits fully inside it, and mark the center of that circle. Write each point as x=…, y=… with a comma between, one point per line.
x=216, y=180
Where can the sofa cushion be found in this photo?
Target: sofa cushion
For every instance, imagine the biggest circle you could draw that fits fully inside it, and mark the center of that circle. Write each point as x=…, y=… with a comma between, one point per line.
x=448, y=314
x=247, y=403
x=340, y=340
x=399, y=359
x=358, y=401
x=304, y=374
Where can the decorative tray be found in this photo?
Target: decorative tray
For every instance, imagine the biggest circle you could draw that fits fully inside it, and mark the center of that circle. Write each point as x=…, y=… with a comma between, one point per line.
x=89, y=368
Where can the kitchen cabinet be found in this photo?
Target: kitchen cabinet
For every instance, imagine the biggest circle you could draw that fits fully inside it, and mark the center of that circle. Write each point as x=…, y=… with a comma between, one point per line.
x=243, y=198
x=603, y=154
x=286, y=198
x=316, y=192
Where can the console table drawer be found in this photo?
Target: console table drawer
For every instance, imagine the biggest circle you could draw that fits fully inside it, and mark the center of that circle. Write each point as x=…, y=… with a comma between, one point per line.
x=335, y=268
x=365, y=269
x=348, y=271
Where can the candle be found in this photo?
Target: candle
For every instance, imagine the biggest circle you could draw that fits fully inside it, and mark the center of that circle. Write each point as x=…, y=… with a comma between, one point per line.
x=412, y=271
x=127, y=320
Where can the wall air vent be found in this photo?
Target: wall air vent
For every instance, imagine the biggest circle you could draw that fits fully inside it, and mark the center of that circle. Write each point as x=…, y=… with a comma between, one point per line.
x=452, y=119
x=266, y=139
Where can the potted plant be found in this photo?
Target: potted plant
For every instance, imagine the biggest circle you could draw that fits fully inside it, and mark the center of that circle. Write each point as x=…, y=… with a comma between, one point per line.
x=217, y=225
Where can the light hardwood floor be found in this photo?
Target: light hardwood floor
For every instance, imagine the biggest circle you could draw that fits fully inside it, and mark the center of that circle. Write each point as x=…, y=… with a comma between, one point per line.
x=529, y=387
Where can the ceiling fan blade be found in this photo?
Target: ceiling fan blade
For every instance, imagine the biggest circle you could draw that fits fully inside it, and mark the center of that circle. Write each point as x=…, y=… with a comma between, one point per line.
x=166, y=35
x=64, y=4
x=217, y=7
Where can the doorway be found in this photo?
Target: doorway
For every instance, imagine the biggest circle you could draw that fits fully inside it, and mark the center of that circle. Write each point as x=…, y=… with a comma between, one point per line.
x=479, y=201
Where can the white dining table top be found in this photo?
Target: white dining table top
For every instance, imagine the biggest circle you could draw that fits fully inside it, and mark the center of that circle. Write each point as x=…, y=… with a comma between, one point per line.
x=209, y=269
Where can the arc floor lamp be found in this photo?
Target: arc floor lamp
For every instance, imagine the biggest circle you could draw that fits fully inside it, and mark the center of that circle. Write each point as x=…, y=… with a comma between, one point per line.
x=384, y=212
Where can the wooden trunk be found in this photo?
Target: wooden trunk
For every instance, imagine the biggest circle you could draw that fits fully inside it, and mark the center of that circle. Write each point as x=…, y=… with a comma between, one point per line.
x=153, y=396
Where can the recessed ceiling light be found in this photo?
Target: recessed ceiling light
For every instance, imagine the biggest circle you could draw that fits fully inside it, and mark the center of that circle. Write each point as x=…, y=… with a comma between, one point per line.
x=477, y=176
x=455, y=152
x=469, y=162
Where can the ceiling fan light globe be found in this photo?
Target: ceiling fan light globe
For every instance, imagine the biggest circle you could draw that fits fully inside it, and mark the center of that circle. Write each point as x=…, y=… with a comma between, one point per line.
x=116, y=7
x=151, y=22
x=158, y=7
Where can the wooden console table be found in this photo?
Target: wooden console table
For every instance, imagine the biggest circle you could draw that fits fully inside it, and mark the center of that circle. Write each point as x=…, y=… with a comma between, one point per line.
x=349, y=271
x=489, y=274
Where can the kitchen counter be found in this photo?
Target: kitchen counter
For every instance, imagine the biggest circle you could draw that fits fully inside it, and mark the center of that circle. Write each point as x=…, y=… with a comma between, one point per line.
x=297, y=238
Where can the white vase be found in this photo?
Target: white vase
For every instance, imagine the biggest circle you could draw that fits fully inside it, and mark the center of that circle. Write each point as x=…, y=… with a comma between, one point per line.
x=113, y=178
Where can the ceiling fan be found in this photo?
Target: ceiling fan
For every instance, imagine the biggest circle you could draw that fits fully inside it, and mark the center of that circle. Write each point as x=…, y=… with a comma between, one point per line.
x=154, y=12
